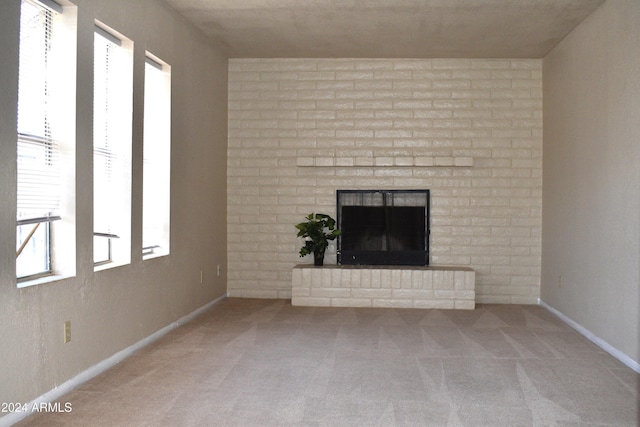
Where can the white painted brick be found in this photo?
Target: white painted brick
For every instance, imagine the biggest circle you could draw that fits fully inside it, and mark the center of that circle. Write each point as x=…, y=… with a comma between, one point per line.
x=464, y=305
x=362, y=291
x=327, y=279
x=354, y=75
x=463, y=295
x=363, y=161
x=459, y=280
x=463, y=161
x=365, y=278
x=298, y=291
x=442, y=279
x=330, y=293
x=385, y=279
x=371, y=293
x=403, y=161
x=350, y=302
x=338, y=277
x=392, y=303
x=376, y=276
x=424, y=161
x=470, y=282
x=444, y=294
x=487, y=111
x=442, y=304
x=345, y=161
x=426, y=303
x=451, y=64
x=444, y=161
x=383, y=161
x=417, y=279
x=405, y=280
x=413, y=294
x=356, y=278
x=311, y=302
x=316, y=279
x=325, y=161
x=305, y=161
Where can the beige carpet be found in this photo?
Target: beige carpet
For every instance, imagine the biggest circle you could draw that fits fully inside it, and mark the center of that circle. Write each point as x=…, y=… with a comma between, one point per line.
x=266, y=363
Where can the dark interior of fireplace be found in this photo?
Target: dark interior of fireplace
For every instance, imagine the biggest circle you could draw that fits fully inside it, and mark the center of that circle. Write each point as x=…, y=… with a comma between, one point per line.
x=383, y=227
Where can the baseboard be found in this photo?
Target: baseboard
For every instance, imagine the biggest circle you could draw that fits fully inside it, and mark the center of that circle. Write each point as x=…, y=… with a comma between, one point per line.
x=595, y=339
x=100, y=367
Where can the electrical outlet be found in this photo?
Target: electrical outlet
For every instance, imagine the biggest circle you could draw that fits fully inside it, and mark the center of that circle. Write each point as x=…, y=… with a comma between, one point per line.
x=67, y=331
x=218, y=270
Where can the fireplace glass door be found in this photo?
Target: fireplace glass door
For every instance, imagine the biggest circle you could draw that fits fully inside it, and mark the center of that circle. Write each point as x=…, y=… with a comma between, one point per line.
x=383, y=227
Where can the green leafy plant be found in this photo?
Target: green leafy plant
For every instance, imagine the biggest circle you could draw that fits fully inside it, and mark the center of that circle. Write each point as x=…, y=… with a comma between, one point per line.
x=317, y=230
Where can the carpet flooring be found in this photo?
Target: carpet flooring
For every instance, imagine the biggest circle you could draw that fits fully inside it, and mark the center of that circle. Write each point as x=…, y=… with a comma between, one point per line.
x=265, y=363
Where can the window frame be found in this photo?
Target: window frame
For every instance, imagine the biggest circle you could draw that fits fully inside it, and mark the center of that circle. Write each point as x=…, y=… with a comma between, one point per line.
x=161, y=245
x=112, y=146
x=47, y=123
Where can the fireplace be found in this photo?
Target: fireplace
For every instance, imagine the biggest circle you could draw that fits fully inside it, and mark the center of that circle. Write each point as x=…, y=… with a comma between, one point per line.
x=383, y=227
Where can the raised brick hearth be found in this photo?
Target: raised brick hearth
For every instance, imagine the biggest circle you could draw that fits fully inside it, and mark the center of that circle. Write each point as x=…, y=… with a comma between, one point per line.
x=381, y=286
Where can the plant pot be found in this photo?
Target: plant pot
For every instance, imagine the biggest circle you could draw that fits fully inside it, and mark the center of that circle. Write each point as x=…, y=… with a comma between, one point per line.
x=318, y=258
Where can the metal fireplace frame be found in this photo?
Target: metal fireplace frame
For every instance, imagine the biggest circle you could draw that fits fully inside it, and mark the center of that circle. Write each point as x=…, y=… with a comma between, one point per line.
x=388, y=198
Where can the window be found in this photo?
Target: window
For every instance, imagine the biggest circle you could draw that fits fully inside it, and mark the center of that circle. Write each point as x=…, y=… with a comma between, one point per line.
x=112, y=110
x=157, y=158
x=45, y=141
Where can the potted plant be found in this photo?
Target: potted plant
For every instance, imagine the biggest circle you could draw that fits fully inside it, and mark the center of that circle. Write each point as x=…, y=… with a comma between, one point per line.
x=317, y=230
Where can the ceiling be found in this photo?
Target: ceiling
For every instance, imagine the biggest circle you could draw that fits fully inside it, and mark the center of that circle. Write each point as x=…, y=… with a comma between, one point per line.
x=386, y=28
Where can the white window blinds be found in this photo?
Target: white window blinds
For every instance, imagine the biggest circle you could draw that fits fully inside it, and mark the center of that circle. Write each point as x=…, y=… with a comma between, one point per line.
x=112, y=110
x=39, y=170
x=105, y=155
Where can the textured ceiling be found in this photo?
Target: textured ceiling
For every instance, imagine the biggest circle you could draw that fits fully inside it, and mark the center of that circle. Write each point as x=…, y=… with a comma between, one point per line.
x=386, y=28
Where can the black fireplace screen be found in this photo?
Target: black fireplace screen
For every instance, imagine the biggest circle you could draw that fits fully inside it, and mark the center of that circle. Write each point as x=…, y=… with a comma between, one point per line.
x=383, y=227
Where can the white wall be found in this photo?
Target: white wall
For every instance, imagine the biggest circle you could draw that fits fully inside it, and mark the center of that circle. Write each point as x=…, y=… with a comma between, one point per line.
x=591, y=192
x=374, y=124
x=110, y=310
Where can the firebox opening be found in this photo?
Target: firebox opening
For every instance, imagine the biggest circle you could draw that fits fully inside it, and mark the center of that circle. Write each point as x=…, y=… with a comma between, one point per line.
x=383, y=227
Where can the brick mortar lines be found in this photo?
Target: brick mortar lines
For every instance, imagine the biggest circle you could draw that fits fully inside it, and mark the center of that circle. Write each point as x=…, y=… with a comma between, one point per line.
x=487, y=216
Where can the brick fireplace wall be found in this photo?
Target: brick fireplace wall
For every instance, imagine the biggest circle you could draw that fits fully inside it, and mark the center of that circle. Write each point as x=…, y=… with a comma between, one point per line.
x=469, y=130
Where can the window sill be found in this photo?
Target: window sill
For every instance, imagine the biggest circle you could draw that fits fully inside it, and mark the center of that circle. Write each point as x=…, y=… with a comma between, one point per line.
x=109, y=266
x=152, y=256
x=41, y=280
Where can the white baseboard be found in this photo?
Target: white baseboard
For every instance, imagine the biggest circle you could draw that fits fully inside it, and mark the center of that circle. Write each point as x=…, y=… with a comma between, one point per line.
x=595, y=339
x=100, y=367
